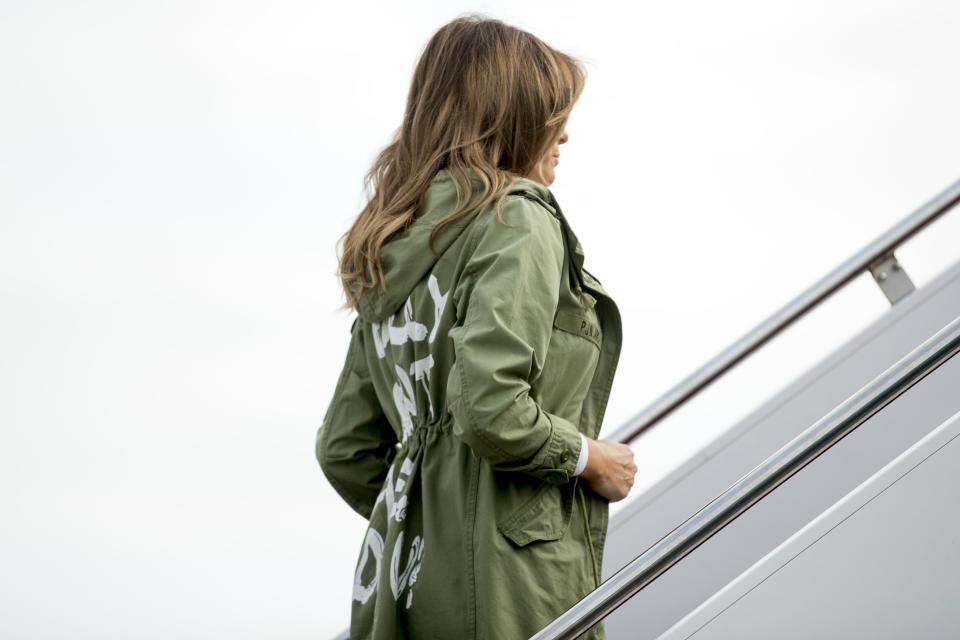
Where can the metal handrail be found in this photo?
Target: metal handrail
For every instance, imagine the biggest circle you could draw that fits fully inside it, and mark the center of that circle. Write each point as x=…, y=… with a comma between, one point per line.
x=753, y=486
x=794, y=310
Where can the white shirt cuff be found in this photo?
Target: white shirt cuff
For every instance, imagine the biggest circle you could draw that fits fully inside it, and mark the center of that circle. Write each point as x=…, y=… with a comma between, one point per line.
x=584, y=454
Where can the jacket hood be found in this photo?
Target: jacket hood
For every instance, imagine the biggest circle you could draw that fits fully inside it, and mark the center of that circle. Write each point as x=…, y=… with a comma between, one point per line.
x=407, y=257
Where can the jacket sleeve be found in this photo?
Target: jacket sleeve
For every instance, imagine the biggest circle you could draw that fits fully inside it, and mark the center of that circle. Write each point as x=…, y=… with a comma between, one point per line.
x=506, y=300
x=355, y=443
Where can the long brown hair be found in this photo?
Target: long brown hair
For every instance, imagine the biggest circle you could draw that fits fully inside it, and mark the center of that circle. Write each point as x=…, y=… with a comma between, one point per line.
x=485, y=97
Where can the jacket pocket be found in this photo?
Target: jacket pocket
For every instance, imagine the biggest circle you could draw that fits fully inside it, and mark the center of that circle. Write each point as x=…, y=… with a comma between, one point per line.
x=579, y=323
x=545, y=516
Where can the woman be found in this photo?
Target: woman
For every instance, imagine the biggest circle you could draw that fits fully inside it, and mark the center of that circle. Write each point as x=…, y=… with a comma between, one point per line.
x=463, y=423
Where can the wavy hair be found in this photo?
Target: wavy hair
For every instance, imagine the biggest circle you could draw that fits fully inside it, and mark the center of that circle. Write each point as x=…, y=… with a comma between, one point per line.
x=485, y=97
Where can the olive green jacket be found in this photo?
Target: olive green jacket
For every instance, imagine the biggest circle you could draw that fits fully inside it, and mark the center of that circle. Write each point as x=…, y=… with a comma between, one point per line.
x=454, y=426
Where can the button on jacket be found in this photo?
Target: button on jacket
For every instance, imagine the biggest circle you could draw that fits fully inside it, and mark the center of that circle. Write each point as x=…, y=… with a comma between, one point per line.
x=454, y=425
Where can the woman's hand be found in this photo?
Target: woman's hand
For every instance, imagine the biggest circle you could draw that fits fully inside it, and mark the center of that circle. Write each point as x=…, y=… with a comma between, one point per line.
x=610, y=469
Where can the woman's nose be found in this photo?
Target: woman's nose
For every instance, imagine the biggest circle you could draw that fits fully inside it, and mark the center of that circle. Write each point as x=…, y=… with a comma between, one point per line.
x=563, y=137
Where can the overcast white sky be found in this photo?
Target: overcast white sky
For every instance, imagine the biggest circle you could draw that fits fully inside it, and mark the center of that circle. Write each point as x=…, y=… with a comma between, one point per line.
x=174, y=177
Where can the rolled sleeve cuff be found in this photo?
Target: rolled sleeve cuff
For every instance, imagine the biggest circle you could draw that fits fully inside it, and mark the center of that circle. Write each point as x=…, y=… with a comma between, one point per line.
x=564, y=450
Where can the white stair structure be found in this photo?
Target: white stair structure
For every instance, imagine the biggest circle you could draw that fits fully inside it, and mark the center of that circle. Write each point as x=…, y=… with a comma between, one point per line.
x=804, y=496
x=881, y=563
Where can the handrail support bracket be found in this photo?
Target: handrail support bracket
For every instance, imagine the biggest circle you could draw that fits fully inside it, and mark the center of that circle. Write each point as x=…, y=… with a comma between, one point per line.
x=891, y=278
